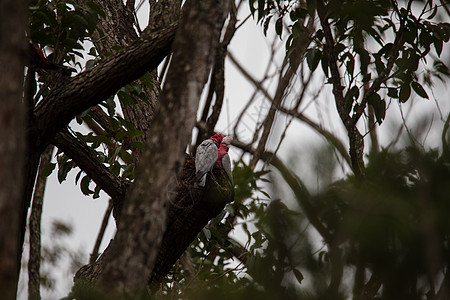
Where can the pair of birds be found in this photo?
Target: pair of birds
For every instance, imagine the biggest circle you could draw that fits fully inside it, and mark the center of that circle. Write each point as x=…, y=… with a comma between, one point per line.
x=209, y=152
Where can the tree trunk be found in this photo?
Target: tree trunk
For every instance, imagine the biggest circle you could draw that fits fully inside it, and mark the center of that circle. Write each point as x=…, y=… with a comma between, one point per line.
x=12, y=141
x=143, y=218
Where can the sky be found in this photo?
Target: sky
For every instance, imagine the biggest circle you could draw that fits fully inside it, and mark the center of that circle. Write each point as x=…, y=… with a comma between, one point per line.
x=65, y=202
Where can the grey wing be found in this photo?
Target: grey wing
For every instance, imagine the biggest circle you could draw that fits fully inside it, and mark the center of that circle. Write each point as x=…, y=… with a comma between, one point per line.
x=226, y=164
x=205, y=158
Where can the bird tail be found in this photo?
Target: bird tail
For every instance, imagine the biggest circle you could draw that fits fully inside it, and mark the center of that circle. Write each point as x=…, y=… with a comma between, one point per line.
x=200, y=179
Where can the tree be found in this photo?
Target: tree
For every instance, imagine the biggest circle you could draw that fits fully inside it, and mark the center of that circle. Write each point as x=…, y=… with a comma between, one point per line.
x=372, y=54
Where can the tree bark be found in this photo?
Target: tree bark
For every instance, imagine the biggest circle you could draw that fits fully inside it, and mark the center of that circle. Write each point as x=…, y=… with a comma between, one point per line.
x=34, y=262
x=12, y=141
x=187, y=215
x=90, y=87
x=143, y=219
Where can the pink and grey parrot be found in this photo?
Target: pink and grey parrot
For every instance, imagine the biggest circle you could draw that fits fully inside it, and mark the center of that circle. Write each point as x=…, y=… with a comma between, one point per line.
x=37, y=58
x=206, y=157
x=223, y=159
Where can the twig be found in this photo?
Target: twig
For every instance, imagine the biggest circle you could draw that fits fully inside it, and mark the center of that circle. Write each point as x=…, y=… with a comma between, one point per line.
x=101, y=233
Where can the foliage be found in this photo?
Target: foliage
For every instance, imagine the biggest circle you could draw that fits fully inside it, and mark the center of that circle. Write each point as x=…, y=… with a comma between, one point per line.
x=389, y=41
x=389, y=225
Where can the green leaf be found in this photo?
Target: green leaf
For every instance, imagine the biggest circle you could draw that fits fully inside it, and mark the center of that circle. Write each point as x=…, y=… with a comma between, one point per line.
x=84, y=185
x=90, y=64
x=380, y=111
x=433, y=13
x=78, y=177
x=125, y=156
x=438, y=45
x=311, y=5
x=405, y=92
x=298, y=275
x=111, y=106
x=126, y=99
x=207, y=233
x=64, y=167
x=366, y=77
x=419, y=89
x=324, y=64
x=48, y=169
x=261, y=4
x=313, y=58
x=392, y=92
x=279, y=26
x=95, y=7
x=97, y=192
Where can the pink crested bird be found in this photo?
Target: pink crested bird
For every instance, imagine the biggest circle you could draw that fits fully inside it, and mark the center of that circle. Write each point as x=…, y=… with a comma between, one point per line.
x=37, y=58
x=206, y=157
x=223, y=159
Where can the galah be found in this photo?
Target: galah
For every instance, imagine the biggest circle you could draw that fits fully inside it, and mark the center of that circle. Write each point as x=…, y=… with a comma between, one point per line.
x=206, y=157
x=223, y=159
x=38, y=59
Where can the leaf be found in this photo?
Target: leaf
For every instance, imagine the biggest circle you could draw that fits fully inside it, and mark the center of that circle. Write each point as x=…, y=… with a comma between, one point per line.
x=125, y=156
x=261, y=4
x=298, y=275
x=313, y=58
x=311, y=5
x=279, y=26
x=48, y=169
x=63, y=170
x=392, y=92
x=111, y=106
x=266, y=25
x=419, y=89
x=380, y=111
x=95, y=7
x=324, y=63
x=207, y=233
x=90, y=63
x=433, y=13
x=438, y=45
x=350, y=65
x=97, y=192
x=77, y=177
x=84, y=185
x=367, y=77
x=405, y=92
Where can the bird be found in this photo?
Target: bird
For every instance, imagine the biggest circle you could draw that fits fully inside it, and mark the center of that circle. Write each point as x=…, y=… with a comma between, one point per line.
x=37, y=59
x=223, y=159
x=205, y=158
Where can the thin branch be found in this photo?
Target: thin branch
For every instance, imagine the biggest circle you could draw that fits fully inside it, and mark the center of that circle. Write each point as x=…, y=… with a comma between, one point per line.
x=332, y=62
x=301, y=193
x=445, y=148
x=331, y=138
x=34, y=262
x=218, y=80
x=101, y=233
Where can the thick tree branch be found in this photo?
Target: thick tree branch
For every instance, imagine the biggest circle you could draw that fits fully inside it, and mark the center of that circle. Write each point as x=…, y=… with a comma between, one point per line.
x=86, y=159
x=13, y=116
x=143, y=218
x=94, y=85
